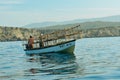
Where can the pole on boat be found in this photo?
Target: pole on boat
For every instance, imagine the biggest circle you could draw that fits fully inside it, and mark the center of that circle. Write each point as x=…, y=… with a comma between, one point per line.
x=41, y=44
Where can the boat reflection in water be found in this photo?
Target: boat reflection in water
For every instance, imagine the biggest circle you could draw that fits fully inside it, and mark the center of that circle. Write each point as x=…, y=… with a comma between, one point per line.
x=53, y=63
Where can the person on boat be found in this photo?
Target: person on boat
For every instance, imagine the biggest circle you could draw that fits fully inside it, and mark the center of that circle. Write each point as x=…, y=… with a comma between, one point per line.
x=41, y=44
x=31, y=42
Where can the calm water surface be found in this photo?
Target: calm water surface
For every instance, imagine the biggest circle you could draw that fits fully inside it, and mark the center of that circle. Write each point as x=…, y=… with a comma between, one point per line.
x=93, y=59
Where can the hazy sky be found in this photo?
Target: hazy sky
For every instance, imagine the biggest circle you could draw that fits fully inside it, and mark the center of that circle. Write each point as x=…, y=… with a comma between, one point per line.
x=22, y=12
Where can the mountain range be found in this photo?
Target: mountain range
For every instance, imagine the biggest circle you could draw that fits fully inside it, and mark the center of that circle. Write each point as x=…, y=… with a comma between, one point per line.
x=115, y=18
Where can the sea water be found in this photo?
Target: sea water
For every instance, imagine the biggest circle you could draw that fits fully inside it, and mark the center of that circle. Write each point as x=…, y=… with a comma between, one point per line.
x=93, y=59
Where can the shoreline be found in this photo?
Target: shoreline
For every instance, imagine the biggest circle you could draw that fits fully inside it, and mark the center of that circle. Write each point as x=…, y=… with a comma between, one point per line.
x=20, y=34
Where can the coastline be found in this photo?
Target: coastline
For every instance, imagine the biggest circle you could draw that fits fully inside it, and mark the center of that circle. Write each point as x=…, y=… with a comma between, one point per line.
x=20, y=34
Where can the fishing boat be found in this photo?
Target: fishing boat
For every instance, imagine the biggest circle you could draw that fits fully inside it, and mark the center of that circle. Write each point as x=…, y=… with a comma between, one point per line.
x=57, y=41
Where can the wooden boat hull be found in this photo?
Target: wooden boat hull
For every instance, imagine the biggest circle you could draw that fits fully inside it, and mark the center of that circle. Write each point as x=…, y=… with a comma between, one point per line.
x=67, y=47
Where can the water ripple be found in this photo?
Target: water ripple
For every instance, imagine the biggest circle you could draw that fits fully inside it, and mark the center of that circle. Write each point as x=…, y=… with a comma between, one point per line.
x=94, y=59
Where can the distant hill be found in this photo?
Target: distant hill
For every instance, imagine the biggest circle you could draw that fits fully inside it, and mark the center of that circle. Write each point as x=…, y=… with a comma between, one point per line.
x=38, y=25
x=85, y=25
x=18, y=34
x=95, y=27
x=103, y=19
